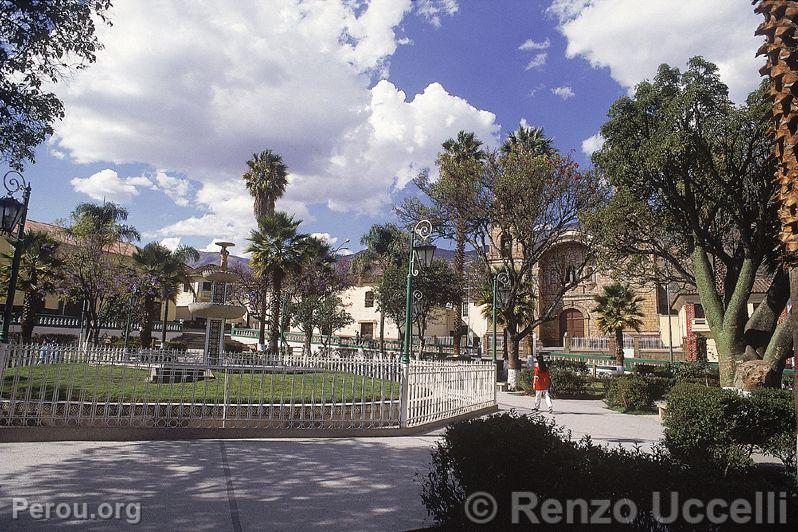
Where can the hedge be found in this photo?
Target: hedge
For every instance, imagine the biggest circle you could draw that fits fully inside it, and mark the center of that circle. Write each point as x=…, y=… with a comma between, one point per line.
x=507, y=453
x=635, y=393
x=712, y=425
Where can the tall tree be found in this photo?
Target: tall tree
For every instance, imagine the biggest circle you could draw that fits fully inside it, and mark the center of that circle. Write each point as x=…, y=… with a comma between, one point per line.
x=460, y=164
x=251, y=290
x=169, y=269
x=265, y=179
x=278, y=249
x=618, y=308
x=386, y=246
x=315, y=302
x=39, y=274
x=524, y=219
x=97, y=240
x=40, y=43
x=693, y=177
x=437, y=285
x=529, y=138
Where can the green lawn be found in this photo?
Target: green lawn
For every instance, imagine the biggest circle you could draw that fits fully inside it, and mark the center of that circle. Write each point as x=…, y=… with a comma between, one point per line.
x=82, y=382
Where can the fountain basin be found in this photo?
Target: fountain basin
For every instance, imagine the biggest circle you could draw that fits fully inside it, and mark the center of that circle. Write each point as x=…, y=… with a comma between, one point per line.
x=216, y=311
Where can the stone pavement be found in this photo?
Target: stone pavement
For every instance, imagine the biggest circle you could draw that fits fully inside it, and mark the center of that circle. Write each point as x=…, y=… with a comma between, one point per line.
x=277, y=484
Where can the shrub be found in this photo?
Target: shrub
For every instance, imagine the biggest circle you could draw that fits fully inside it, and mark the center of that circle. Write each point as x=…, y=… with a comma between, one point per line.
x=698, y=371
x=567, y=383
x=526, y=380
x=176, y=345
x=665, y=371
x=576, y=366
x=715, y=426
x=507, y=452
x=634, y=393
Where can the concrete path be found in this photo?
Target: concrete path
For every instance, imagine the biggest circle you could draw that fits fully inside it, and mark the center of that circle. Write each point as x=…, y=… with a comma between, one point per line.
x=296, y=484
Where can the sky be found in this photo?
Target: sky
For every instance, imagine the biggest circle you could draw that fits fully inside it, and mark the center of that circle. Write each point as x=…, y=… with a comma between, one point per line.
x=356, y=96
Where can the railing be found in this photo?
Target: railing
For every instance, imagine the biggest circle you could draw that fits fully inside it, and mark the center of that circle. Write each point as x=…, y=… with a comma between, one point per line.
x=440, y=390
x=73, y=322
x=110, y=387
x=431, y=346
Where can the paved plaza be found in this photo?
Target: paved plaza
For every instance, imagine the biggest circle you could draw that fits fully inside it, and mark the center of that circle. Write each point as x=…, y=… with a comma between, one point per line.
x=276, y=484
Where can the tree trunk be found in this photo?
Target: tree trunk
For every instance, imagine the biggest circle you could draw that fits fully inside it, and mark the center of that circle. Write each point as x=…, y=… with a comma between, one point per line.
x=514, y=364
x=459, y=271
x=794, y=319
x=308, y=340
x=274, y=333
x=262, y=326
x=145, y=333
x=382, y=332
x=619, y=348
x=27, y=321
x=163, y=323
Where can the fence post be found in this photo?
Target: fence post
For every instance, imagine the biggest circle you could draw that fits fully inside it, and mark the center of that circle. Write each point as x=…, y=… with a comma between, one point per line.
x=566, y=343
x=404, y=403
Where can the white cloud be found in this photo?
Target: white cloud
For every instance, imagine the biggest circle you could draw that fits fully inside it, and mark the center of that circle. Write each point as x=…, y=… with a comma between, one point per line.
x=531, y=44
x=213, y=85
x=325, y=237
x=431, y=10
x=592, y=144
x=632, y=38
x=537, y=61
x=565, y=92
x=174, y=187
x=171, y=242
x=107, y=185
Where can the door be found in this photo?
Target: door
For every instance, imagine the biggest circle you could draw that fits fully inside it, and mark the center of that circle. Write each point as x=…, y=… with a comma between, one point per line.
x=573, y=322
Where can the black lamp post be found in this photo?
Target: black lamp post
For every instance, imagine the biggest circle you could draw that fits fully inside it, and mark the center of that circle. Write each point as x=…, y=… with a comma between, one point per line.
x=421, y=254
x=12, y=220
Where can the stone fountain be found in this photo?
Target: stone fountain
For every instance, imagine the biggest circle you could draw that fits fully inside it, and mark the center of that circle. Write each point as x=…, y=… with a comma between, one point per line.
x=217, y=310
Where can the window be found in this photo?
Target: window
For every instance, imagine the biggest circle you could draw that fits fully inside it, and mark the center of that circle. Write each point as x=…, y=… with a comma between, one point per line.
x=369, y=299
x=464, y=311
x=506, y=244
x=367, y=330
x=699, y=311
x=206, y=286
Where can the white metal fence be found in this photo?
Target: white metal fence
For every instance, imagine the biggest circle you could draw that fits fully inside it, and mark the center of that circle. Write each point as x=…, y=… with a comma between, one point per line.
x=68, y=386
x=440, y=390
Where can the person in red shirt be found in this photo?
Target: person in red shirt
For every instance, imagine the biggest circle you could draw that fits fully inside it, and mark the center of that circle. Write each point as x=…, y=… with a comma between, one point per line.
x=542, y=383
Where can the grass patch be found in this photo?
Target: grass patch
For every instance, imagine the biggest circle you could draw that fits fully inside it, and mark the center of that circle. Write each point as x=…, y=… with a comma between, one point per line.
x=83, y=382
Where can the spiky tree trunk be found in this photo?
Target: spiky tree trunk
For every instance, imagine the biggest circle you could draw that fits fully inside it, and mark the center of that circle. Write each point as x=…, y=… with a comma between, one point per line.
x=262, y=325
x=145, y=332
x=277, y=291
x=619, y=347
x=163, y=323
x=31, y=305
x=780, y=29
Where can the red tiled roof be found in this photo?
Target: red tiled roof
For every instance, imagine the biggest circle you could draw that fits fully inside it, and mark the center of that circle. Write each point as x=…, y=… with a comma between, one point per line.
x=122, y=248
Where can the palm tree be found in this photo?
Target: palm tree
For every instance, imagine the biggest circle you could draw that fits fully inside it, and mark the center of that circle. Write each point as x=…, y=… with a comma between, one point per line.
x=169, y=270
x=266, y=180
x=40, y=270
x=460, y=160
x=618, y=308
x=386, y=246
x=528, y=138
x=277, y=250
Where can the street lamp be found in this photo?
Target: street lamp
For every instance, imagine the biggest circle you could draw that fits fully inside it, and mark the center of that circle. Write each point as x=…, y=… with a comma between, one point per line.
x=421, y=255
x=12, y=220
x=500, y=296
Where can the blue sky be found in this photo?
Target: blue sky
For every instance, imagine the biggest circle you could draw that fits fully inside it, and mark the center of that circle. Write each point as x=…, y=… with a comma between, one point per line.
x=356, y=96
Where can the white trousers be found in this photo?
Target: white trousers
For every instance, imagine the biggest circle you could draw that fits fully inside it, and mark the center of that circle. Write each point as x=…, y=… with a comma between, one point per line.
x=542, y=394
